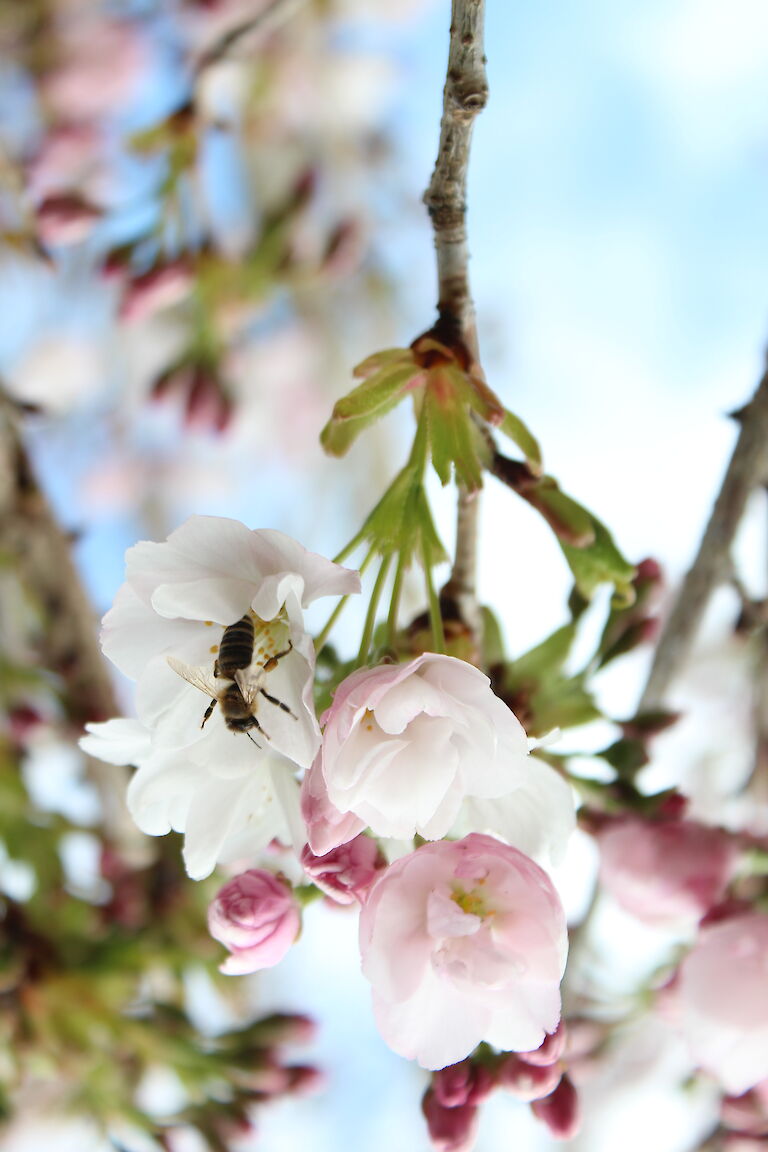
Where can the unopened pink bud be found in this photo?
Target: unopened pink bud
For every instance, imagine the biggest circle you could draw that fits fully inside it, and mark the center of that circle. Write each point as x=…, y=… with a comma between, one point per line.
x=22, y=722
x=306, y=1080
x=527, y=1081
x=747, y=1113
x=450, y=1129
x=560, y=1111
x=65, y=218
x=345, y=873
x=549, y=1051
x=159, y=287
x=257, y=918
x=648, y=572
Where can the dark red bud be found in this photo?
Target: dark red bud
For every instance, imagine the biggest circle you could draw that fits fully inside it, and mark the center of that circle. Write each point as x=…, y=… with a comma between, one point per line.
x=526, y=1081
x=450, y=1129
x=463, y=1083
x=648, y=572
x=560, y=1111
x=549, y=1051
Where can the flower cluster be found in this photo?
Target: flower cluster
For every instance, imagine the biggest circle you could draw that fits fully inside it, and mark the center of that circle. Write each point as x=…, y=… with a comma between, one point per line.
x=464, y=939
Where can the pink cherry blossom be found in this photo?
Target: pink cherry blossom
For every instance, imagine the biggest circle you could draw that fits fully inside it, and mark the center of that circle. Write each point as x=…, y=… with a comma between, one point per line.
x=345, y=873
x=665, y=871
x=720, y=1000
x=463, y=941
x=427, y=748
x=257, y=918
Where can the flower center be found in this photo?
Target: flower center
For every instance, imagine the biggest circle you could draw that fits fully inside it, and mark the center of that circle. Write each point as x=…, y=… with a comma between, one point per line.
x=471, y=902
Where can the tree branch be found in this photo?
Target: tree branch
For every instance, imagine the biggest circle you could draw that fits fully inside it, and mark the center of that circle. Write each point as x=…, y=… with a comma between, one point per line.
x=264, y=21
x=748, y=468
x=464, y=97
x=66, y=644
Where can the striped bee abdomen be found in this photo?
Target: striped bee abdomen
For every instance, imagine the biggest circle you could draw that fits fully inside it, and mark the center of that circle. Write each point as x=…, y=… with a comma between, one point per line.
x=236, y=647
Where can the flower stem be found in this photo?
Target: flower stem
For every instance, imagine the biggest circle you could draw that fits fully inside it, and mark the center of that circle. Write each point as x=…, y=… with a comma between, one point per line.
x=350, y=547
x=370, y=618
x=325, y=632
x=435, y=615
x=394, y=603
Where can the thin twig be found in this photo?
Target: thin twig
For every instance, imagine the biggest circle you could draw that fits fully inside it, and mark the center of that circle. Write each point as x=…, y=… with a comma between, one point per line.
x=464, y=97
x=67, y=643
x=748, y=468
x=264, y=21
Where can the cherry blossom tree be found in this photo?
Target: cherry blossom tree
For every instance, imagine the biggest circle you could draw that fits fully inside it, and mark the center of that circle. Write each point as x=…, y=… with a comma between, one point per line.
x=204, y=174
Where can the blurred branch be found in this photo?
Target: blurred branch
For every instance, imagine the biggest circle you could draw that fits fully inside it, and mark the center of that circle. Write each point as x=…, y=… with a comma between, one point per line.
x=464, y=97
x=264, y=21
x=67, y=642
x=748, y=468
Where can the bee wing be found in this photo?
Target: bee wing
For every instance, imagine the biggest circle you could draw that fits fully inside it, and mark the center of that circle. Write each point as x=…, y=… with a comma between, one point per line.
x=249, y=680
x=197, y=677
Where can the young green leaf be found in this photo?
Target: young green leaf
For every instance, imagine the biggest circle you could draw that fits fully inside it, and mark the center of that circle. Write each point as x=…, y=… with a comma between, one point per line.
x=513, y=427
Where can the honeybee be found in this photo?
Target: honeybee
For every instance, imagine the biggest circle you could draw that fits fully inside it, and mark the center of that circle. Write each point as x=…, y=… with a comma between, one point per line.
x=237, y=680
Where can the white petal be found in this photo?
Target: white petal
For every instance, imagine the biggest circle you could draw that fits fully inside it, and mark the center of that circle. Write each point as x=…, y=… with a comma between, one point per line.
x=221, y=598
x=537, y=818
x=160, y=793
x=132, y=633
x=436, y=1027
x=118, y=741
x=278, y=553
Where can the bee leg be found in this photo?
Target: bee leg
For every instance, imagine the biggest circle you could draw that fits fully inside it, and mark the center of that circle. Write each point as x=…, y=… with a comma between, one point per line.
x=255, y=724
x=273, y=660
x=278, y=703
x=208, y=711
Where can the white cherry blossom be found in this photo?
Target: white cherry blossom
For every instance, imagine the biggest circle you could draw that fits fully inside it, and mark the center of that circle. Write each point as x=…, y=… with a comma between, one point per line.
x=230, y=792
x=227, y=799
x=180, y=596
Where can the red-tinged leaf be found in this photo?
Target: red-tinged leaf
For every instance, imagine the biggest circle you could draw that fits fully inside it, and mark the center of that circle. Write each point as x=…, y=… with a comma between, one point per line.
x=390, y=357
x=482, y=399
x=601, y=563
x=513, y=427
x=375, y=393
x=571, y=523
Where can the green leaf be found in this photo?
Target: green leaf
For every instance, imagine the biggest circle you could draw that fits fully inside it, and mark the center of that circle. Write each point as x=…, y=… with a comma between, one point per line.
x=362, y=406
x=453, y=440
x=389, y=358
x=571, y=523
x=401, y=523
x=545, y=658
x=600, y=563
x=626, y=756
x=493, y=641
x=513, y=427
x=561, y=703
x=550, y=699
x=374, y=393
x=481, y=399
